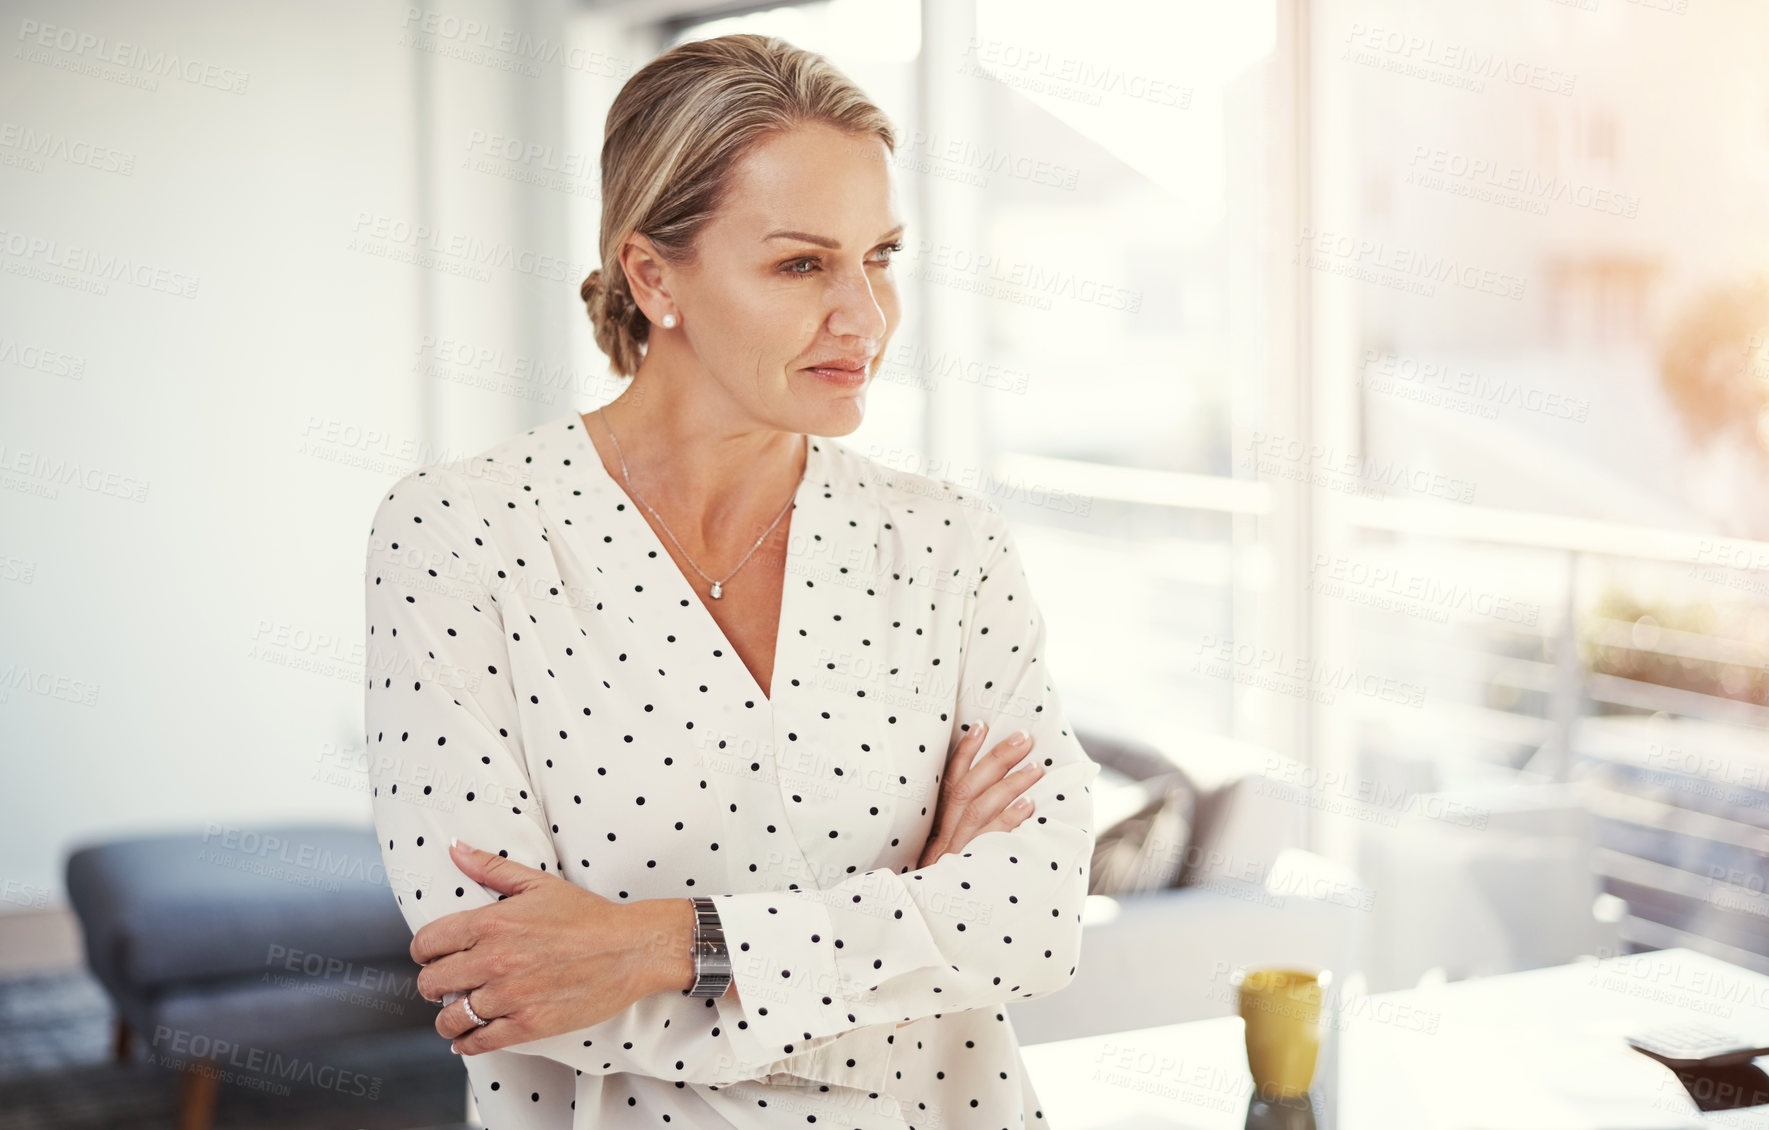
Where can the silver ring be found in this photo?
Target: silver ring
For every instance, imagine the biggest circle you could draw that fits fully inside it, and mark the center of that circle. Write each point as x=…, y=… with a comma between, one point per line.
x=467, y=1003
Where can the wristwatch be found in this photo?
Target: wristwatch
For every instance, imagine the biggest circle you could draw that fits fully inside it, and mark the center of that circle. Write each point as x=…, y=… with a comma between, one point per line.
x=712, y=961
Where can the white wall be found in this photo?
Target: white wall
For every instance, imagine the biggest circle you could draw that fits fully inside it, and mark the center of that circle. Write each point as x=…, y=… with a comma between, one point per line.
x=188, y=481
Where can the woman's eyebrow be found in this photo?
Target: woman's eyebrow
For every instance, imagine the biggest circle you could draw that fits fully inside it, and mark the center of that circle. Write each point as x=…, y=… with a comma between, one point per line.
x=820, y=241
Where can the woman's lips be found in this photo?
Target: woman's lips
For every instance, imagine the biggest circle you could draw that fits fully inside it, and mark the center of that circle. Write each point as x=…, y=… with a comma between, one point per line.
x=846, y=378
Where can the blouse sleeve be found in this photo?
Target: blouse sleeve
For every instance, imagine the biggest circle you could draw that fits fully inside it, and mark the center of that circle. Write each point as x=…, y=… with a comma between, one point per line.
x=999, y=920
x=446, y=760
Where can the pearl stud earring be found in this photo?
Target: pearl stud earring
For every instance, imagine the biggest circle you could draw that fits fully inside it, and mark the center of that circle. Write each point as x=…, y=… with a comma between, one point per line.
x=669, y=321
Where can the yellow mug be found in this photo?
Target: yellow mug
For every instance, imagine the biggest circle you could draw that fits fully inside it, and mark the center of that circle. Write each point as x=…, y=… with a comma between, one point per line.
x=1281, y=1008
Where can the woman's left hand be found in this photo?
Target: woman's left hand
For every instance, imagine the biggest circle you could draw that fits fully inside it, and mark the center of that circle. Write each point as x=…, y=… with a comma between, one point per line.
x=549, y=958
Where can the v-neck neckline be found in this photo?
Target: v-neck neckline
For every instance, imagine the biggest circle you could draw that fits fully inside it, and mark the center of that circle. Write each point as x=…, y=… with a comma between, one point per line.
x=580, y=429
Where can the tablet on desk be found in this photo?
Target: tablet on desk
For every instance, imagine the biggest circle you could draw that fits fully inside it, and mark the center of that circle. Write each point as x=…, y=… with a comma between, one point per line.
x=1698, y=1045
x=1714, y=1066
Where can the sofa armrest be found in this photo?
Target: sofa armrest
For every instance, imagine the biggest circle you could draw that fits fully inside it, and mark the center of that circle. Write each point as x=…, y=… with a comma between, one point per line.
x=1164, y=957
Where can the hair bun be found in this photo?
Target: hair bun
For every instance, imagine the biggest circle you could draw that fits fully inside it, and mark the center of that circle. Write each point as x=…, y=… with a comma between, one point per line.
x=616, y=302
x=614, y=316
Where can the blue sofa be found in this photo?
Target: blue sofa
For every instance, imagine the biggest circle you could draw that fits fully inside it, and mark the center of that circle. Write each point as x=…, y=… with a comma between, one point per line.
x=226, y=943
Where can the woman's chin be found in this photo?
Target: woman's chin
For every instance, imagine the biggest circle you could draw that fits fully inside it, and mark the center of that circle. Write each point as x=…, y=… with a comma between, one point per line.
x=837, y=408
x=834, y=415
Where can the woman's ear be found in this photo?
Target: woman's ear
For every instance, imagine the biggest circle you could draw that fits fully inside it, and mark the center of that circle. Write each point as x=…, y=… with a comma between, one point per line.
x=647, y=276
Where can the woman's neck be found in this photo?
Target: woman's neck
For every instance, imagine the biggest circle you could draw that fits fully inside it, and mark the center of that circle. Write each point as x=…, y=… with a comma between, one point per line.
x=713, y=483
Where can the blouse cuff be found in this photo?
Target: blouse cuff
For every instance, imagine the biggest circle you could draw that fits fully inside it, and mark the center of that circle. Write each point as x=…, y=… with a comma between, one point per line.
x=860, y=1059
x=812, y=982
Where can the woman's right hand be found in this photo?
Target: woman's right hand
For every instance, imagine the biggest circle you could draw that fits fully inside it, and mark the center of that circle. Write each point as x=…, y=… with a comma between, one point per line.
x=980, y=798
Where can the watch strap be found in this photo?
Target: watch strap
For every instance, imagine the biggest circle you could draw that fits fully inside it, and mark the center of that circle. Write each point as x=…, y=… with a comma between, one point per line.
x=712, y=961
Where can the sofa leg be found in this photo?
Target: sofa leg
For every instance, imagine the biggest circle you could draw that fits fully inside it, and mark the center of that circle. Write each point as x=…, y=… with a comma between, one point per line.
x=196, y=1099
x=121, y=1047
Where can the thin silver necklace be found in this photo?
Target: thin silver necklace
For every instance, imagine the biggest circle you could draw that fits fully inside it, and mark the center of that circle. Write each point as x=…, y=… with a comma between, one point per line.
x=718, y=586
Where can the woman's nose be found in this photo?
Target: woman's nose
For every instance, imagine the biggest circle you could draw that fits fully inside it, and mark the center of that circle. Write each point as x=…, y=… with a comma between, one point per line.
x=856, y=310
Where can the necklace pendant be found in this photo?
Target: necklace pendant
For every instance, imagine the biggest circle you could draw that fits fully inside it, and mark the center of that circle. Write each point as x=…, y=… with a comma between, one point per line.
x=715, y=590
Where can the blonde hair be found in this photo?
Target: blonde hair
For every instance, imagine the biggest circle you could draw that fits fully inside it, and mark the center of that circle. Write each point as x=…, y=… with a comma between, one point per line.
x=674, y=133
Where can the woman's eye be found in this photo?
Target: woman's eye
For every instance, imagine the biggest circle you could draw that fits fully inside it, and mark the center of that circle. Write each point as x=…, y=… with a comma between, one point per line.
x=792, y=267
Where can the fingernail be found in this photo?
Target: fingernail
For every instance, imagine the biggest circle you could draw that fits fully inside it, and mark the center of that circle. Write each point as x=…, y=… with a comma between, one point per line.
x=1020, y=737
x=978, y=729
x=1023, y=802
x=456, y=841
x=454, y=1047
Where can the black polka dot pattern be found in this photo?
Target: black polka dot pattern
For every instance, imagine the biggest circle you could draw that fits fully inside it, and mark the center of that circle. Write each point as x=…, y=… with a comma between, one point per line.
x=544, y=682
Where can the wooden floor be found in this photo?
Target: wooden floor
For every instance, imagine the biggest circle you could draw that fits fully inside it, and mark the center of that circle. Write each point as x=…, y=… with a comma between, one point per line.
x=59, y=1068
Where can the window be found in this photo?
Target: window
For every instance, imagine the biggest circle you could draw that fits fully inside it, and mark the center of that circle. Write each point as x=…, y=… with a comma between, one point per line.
x=1408, y=420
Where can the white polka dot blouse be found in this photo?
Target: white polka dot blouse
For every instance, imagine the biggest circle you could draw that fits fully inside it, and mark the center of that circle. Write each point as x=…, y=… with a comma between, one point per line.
x=544, y=682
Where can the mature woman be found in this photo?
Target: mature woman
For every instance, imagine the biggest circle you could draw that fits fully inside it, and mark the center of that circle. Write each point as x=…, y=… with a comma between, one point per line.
x=686, y=671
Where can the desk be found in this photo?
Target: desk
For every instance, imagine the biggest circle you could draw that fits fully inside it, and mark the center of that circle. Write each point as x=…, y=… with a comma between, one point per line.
x=1537, y=1050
